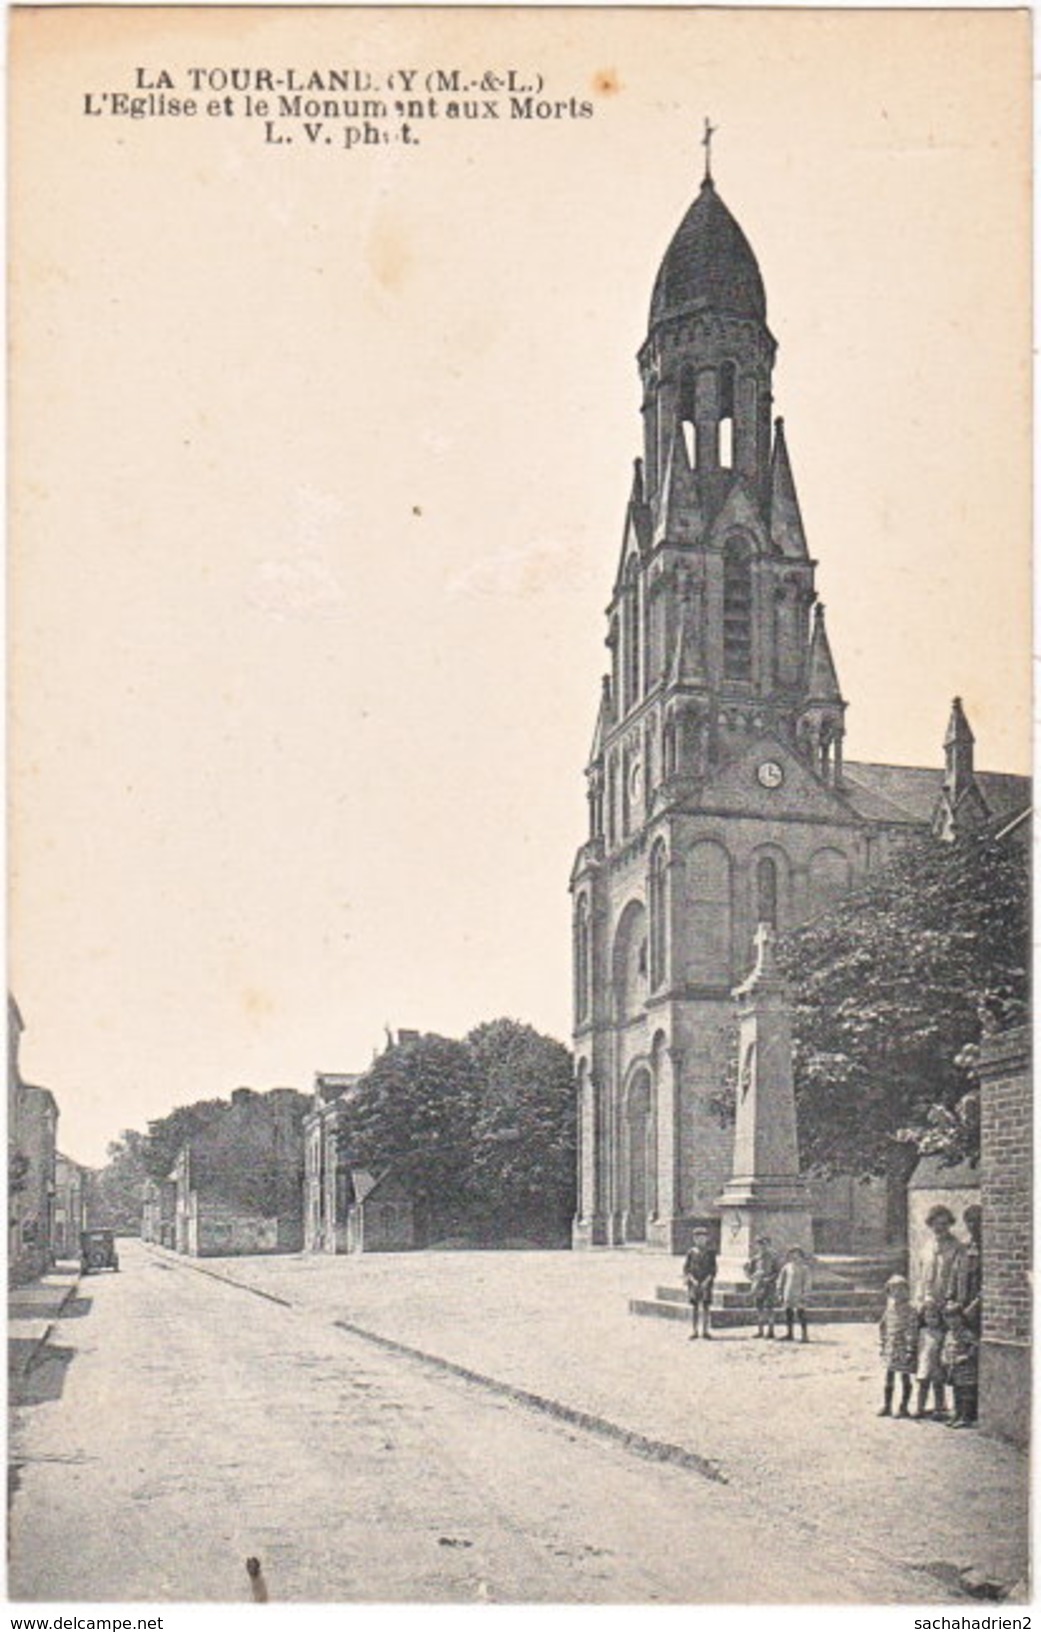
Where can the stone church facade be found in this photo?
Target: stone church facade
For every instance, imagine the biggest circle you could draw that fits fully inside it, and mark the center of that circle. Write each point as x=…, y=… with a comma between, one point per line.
x=719, y=796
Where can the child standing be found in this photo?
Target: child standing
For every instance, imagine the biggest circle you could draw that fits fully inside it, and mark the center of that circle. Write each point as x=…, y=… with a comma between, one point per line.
x=761, y=1270
x=960, y=1350
x=793, y=1291
x=898, y=1332
x=699, y=1272
x=929, y=1370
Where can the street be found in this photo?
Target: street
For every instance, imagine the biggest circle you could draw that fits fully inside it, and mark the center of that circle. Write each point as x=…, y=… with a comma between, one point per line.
x=176, y=1425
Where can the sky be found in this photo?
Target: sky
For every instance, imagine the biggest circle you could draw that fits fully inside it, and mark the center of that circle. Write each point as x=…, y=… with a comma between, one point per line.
x=319, y=458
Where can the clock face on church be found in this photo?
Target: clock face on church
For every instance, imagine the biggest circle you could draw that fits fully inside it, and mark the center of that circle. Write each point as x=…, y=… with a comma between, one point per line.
x=769, y=774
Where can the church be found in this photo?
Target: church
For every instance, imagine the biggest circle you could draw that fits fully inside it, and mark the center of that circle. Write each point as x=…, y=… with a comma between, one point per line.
x=719, y=794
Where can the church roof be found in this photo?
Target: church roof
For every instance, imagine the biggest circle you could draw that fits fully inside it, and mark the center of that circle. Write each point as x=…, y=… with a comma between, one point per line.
x=908, y=793
x=709, y=264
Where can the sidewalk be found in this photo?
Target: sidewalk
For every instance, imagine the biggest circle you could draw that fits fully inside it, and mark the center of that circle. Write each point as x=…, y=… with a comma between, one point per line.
x=31, y=1313
x=792, y=1427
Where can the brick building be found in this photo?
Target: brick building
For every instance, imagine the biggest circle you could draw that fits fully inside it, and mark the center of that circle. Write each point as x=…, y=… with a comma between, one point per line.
x=719, y=793
x=1006, y=1108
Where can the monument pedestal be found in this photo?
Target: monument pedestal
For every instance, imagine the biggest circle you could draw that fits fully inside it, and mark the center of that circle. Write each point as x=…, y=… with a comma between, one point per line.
x=751, y=1208
x=766, y=1196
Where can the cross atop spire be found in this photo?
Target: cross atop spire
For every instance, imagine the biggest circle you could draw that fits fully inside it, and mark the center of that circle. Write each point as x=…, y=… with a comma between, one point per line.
x=706, y=142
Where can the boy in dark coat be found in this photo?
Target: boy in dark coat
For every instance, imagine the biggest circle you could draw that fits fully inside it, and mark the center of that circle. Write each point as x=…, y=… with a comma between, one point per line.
x=699, y=1272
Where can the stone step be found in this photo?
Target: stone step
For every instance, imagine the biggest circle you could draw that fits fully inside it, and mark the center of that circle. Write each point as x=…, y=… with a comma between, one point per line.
x=865, y=1269
x=740, y=1297
x=725, y=1318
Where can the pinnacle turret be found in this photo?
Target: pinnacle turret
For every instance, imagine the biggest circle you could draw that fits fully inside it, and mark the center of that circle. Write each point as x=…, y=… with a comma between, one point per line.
x=786, y=529
x=822, y=681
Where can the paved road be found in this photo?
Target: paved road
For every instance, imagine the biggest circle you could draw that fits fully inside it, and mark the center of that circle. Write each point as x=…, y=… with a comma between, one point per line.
x=179, y=1425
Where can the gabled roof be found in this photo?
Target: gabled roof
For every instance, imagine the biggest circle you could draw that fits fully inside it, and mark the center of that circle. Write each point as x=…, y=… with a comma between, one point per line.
x=909, y=793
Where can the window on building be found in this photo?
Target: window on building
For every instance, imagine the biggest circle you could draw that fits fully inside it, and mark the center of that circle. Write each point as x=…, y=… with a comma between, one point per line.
x=656, y=892
x=737, y=610
x=687, y=422
x=727, y=390
x=631, y=637
x=582, y=959
x=766, y=892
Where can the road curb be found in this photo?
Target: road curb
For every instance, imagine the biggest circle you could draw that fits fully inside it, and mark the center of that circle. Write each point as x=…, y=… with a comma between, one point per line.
x=656, y=1450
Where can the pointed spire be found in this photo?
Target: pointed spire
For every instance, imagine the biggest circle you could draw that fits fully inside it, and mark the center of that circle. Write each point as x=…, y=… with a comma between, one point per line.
x=604, y=720
x=786, y=529
x=822, y=682
x=959, y=771
x=959, y=731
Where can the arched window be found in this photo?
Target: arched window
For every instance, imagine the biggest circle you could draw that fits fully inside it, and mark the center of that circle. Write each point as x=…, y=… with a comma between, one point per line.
x=668, y=743
x=582, y=960
x=708, y=915
x=631, y=638
x=688, y=426
x=612, y=808
x=659, y=910
x=737, y=610
x=727, y=391
x=629, y=963
x=766, y=892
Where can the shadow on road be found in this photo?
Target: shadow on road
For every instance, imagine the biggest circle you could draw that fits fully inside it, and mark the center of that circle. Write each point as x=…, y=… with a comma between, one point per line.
x=76, y=1308
x=44, y=1380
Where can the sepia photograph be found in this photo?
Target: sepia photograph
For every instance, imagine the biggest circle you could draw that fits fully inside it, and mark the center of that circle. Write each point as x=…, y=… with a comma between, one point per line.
x=519, y=809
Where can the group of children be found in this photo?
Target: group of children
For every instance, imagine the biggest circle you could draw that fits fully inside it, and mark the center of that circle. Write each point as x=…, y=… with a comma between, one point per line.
x=932, y=1346
x=772, y=1283
x=934, y=1340
x=934, y=1343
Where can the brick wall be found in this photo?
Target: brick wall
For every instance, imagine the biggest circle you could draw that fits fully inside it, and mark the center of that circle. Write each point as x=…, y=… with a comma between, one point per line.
x=1006, y=1151
x=1006, y=1132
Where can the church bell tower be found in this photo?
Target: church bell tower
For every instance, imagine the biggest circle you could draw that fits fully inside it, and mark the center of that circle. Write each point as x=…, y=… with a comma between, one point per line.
x=715, y=781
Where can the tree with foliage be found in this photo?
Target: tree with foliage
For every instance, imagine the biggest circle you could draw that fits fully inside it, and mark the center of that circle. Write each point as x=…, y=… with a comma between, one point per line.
x=888, y=990
x=116, y=1190
x=523, y=1160
x=413, y=1110
x=167, y=1134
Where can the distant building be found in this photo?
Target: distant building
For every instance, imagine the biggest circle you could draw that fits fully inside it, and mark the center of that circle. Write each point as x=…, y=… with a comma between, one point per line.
x=71, y=1205
x=326, y=1169
x=379, y=1214
x=32, y=1133
x=346, y=1208
x=238, y=1186
x=158, y=1212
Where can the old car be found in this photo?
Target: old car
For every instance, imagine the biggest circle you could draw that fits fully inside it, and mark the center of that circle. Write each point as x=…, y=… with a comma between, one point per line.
x=98, y=1251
